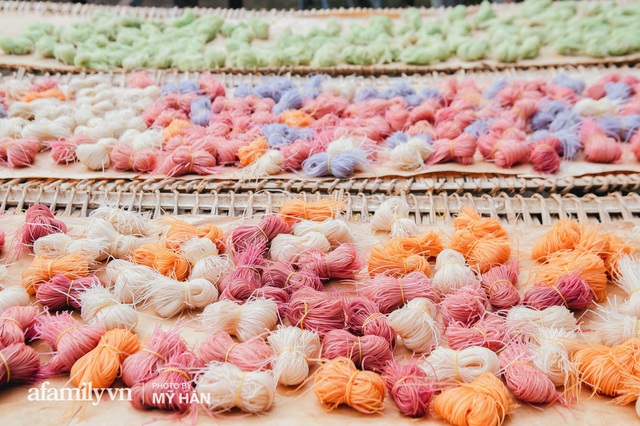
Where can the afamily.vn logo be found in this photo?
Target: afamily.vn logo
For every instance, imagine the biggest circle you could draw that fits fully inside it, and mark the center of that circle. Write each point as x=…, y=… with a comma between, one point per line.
x=162, y=393
x=85, y=393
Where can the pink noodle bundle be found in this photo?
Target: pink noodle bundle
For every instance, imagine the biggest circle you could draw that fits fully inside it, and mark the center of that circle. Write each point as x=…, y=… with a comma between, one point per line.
x=499, y=283
x=278, y=295
x=139, y=80
x=341, y=263
x=63, y=151
x=545, y=155
x=283, y=275
x=17, y=325
x=295, y=154
x=147, y=363
x=187, y=160
x=38, y=222
x=124, y=158
x=16, y=153
x=635, y=143
x=364, y=318
x=448, y=130
x=259, y=235
x=60, y=291
x=397, y=114
x=210, y=86
x=3, y=238
x=251, y=355
x=524, y=380
x=318, y=311
x=69, y=340
x=598, y=147
x=466, y=306
x=241, y=294
x=324, y=104
x=461, y=150
x=390, y=293
x=171, y=384
x=20, y=364
x=570, y=291
x=489, y=332
x=44, y=85
x=426, y=111
x=410, y=388
x=367, y=352
x=247, y=273
x=512, y=154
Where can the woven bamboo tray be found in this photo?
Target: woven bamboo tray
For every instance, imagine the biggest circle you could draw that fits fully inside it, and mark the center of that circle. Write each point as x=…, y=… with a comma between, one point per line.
x=19, y=14
x=80, y=198
x=575, y=177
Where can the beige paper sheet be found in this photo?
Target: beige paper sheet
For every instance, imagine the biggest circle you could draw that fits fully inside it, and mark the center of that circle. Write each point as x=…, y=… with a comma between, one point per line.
x=295, y=407
x=45, y=168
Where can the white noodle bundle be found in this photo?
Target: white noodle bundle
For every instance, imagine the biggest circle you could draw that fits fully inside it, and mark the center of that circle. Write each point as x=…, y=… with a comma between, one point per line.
x=224, y=386
x=295, y=349
x=552, y=349
x=100, y=308
x=452, y=272
x=393, y=216
x=336, y=231
x=286, y=247
x=411, y=155
x=126, y=222
x=615, y=327
x=130, y=282
x=628, y=279
x=169, y=297
x=56, y=245
x=463, y=366
x=253, y=318
x=14, y=295
x=205, y=261
x=117, y=245
x=415, y=323
x=521, y=319
x=96, y=156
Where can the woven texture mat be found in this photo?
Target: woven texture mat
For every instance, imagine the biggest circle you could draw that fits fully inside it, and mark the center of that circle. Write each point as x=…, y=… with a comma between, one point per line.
x=17, y=15
x=297, y=406
x=79, y=198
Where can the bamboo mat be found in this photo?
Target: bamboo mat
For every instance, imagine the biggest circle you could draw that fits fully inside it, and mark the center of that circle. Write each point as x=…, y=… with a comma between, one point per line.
x=299, y=406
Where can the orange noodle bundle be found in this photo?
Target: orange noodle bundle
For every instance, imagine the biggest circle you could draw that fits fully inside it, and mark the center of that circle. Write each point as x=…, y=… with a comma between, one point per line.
x=617, y=250
x=103, y=364
x=249, y=154
x=607, y=369
x=483, y=402
x=296, y=118
x=427, y=244
x=296, y=210
x=482, y=241
x=72, y=266
x=589, y=265
x=167, y=262
x=393, y=261
x=338, y=382
x=180, y=231
x=564, y=235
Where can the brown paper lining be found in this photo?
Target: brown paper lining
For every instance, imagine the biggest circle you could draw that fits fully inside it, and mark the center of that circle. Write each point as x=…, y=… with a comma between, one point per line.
x=297, y=406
